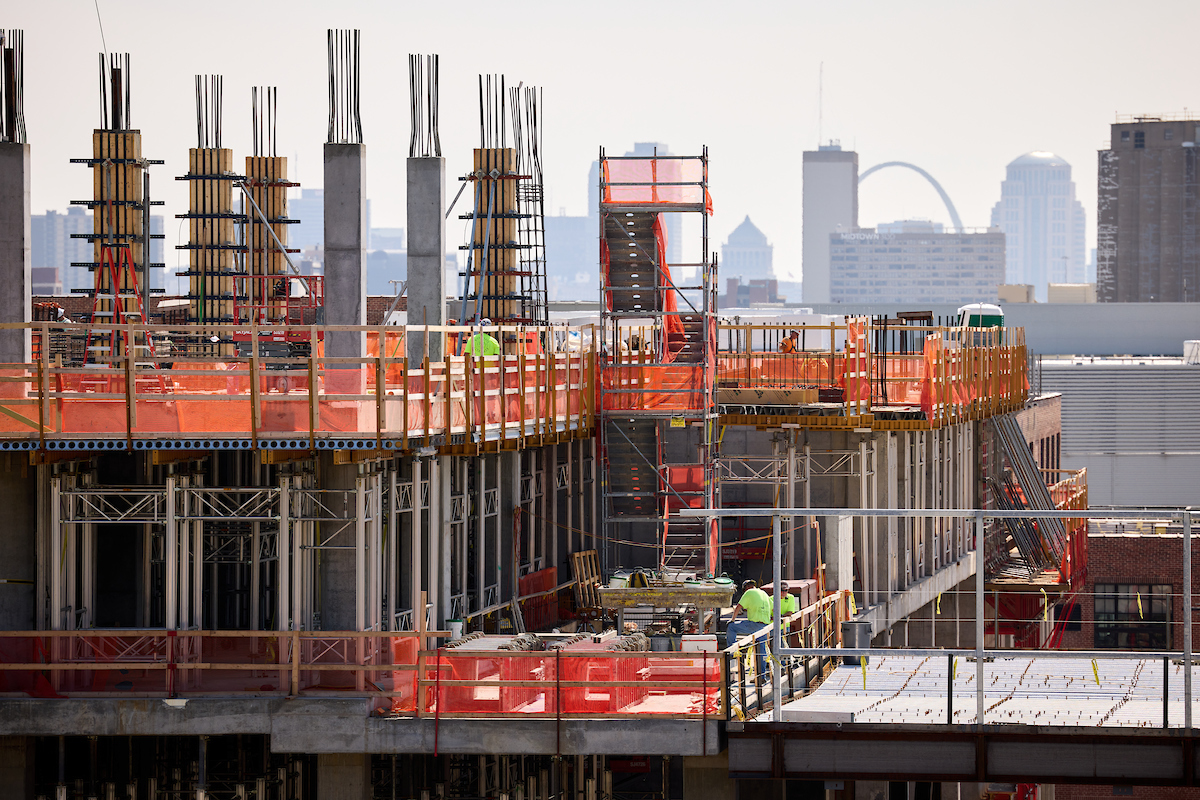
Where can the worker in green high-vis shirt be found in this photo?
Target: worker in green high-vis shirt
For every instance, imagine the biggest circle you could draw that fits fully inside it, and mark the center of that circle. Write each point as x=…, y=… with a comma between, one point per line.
x=482, y=344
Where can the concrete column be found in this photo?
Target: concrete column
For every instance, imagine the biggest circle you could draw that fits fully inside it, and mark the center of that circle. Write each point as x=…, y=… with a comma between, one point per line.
x=339, y=579
x=343, y=776
x=426, y=253
x=18, y=546
x=16, y=765
x=838, y=541
x=15, y=302
x=707, y=778
x=345, y=255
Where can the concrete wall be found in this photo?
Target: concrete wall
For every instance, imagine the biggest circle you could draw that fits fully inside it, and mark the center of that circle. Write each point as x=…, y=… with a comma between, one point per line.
x=15, y=303
x=426, y=246
x=1085, y=329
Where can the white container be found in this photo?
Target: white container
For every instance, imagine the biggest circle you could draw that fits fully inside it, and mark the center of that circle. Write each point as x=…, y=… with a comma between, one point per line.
x=699, y=643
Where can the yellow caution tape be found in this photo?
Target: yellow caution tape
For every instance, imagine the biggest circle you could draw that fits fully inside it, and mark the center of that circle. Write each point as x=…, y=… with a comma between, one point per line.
x=1139, y=599
x=953, y=667
x=1096, y=671
x=853, y=607
x=939, y=603
x=748, y=659
x=863, y=661
x=1045, y=607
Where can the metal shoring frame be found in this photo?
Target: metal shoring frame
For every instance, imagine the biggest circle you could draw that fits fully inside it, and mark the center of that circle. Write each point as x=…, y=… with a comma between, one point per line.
x=979, y=653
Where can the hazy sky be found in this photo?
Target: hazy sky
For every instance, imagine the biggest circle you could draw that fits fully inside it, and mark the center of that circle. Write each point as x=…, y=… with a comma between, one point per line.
x=959, y=88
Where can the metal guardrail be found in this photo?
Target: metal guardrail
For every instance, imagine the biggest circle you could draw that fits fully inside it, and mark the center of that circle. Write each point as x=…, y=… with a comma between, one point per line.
x=980, y=654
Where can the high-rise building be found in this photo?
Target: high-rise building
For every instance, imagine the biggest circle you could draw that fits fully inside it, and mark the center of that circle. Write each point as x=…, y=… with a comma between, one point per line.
x=1043, y=223
x=1148, y=205
x=915, y=261
x=52, y=250
x=830, y=204
x=747, y=254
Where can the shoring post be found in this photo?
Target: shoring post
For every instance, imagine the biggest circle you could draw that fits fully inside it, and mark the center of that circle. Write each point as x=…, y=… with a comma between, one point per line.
x=776, y=629
x=979, y=700
x=313, y=388
x=295, y=661
x=1187, y=619
x=380, y=387
x=255, y=389
x=949, y=690
x=44, y=383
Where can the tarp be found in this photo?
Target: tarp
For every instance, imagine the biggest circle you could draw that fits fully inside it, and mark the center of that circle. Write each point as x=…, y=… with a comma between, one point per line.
x=641, y=181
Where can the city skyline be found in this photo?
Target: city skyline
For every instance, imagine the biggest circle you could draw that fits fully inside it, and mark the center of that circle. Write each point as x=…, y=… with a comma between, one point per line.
x=769, y=58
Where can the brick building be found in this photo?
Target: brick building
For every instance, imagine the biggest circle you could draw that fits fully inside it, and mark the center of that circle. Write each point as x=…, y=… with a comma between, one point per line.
x=1133, y=595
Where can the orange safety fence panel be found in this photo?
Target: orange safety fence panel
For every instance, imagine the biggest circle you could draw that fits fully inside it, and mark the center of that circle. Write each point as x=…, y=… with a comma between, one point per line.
x=647, y=176
x=669, y=387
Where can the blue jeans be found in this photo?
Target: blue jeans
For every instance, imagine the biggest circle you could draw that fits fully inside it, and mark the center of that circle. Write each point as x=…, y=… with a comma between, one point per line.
x=744, y=627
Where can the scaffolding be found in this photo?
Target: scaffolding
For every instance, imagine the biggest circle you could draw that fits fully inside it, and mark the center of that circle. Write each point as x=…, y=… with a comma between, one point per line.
x=658, y=409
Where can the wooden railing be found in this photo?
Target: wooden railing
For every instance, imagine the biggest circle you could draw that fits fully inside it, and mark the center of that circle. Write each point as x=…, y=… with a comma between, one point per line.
x=285, y=386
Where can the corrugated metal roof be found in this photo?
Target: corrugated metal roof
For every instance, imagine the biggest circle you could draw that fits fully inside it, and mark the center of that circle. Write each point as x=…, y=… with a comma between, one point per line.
x=1027, y=691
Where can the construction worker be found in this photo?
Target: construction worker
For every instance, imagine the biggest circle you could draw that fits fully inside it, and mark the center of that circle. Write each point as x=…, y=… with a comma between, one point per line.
x=481, y=343
x=758, y=606
x=791, y=344
x=788, y=604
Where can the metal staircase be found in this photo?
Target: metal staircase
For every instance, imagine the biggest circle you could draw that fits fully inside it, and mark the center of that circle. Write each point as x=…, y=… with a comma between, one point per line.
x=657, y=385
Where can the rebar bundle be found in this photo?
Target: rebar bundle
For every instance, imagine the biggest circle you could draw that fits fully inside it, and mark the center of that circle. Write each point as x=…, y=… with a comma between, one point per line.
x=263, y=115
x=210, y=98
x=423, y=106
x=12, y=86
x=345, y=123
x=114, y=92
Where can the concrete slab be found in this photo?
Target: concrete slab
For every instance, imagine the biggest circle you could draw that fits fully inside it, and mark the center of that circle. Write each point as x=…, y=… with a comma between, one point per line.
x=335, y=725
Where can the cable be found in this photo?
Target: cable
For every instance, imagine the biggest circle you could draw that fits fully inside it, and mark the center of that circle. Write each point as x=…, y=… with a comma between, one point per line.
x=101, y=22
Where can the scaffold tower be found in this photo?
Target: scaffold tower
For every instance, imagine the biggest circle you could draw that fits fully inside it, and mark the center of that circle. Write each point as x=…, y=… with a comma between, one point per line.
x=658, y=410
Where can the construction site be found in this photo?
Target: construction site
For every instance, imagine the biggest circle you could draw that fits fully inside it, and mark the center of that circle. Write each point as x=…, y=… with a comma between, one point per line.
x=264, y=546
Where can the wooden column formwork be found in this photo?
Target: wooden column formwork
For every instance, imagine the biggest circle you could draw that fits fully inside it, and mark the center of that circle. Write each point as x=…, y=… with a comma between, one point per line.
x=117, y=225
x=212, y=241
x=265, y=300
x=496, y=263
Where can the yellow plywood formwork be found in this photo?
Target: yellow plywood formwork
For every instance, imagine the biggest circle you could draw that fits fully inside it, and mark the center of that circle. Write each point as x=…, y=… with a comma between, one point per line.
x=211, y=233
x=496, y=263
x=267, y=181
x=117, y=224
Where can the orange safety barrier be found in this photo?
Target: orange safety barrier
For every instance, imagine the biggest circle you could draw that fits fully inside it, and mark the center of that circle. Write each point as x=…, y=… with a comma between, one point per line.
x=196, y=663
x=581, y=681
x=378, y=395
x=540, y=612
x=656, y=181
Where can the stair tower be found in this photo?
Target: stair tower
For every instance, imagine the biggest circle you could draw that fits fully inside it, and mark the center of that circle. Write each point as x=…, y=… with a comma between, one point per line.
x=658, y=411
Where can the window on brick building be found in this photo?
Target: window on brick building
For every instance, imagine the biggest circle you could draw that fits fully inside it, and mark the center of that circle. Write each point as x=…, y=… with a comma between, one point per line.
x=1124, y=623
x=1073, y=619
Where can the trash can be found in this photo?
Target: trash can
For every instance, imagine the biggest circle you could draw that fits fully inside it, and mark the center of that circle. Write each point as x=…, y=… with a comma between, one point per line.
x=856, y=635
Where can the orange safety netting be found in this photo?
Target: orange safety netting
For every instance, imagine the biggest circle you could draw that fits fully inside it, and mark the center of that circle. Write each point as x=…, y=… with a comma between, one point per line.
x=504, y=394
x=650, y=181
x=676, y=386
x=577, y=682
